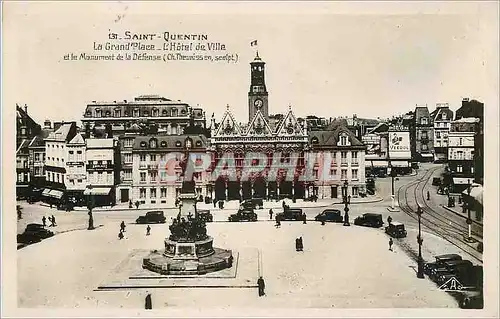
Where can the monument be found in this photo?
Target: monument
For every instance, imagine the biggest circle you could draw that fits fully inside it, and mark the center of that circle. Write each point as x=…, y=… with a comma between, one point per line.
x=188, y=250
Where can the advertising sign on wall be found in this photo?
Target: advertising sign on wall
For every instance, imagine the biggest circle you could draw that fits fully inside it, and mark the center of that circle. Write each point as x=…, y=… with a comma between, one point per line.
x=399, y=145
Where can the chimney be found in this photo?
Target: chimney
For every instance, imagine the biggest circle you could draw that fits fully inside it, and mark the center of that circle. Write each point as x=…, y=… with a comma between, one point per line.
x=26, y=108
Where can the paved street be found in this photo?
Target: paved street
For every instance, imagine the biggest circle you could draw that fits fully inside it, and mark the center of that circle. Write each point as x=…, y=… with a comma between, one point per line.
x=340, y=267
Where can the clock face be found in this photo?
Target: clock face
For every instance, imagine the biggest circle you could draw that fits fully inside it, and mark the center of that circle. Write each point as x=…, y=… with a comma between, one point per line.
x=258, y=103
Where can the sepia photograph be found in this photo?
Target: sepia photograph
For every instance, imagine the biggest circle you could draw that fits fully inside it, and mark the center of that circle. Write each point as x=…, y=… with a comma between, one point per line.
x=238, y=159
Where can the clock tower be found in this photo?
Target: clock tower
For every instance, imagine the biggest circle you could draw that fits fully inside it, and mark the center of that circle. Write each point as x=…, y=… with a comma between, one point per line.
x=257, y=96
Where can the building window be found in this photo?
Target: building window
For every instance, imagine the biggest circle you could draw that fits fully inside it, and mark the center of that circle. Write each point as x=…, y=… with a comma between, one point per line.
x=354, y=174
x=423, y=121
x=460, y=141
x=443, y=116
x=163, y=192
x=354, y=158
x=118, y=113
x=153, y=176
x=424, y=134
x=58, y=178
x=343, y=140
x=142, y=157
x=333, y=173
x=343, y=174
x=100, y=177
x=127, y=174
x=343, y=158
x=136, y=113
x=355, y=191
x=80, y=181
x=97, y=113
x=128, y=158
x=37, y=157
x=143, y=176
x=142, y=193
x=152, y=193
x=460, y=155
x=438, y=134
x=153, y=157
x=459, y=169
x=424, y=147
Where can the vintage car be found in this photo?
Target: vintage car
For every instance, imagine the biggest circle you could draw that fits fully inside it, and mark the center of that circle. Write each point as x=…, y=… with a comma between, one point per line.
x=205, y=215
x=330, y=215
x=436, y=181
x=34, y=233
x=396, y=230
x=291, y=214
x=457, y=268
x=440, y=260
x=152, y=217
x=369, y=220
x=254, y=203
x=243, y=215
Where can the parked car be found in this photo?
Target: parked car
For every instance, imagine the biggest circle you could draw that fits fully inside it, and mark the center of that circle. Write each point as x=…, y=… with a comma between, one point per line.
x=330, y=215
x=396, y=230
x=436, y=181
x=292, y=214
x=205, y=215
x=34, y=233
x=254, y=203
x=369, y=220
x=440, y=260
x=455, y=267
x=243, y=215
x=152, y=217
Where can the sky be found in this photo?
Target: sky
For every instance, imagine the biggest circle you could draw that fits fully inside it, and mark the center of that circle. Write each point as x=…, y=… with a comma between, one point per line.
x=324, y=59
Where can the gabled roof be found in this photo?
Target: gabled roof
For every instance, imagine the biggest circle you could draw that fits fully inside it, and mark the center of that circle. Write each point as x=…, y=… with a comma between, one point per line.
x=170, y=142
x=259, y=125
x=228, y=125
x=23, y=147
x=289, y=125
x=62, y=132
x=330, y=138
x=381, y=127
x=77, y=140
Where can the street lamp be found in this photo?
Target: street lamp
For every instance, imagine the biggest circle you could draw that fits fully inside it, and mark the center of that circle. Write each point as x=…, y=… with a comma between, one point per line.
x=347, y=200
x=90, y=206
x=392, y=188
x=420, y=261
x=466, y=205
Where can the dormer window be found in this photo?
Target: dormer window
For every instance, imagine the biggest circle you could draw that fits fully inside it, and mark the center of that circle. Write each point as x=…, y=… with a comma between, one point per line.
x=108, y=113
x=97, y=112
x=443, y=116
x=198, y=143
x=183, y=111
x=126, y=113
x=343, y=140
x=153, y=143
x=164, y=113
x=118, y=112
x=174, y=112
x=314, y=140
x=178, y=144
x=155, y=112
x=146, y=113
x=136, y=112
x=163, y=144
x=143, y=144
x=423, y=121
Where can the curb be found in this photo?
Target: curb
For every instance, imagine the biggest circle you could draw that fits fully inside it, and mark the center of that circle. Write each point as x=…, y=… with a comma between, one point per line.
x=460, y=215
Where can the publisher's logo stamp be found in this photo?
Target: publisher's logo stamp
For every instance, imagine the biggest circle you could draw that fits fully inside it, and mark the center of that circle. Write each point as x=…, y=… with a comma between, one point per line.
x=452, y=285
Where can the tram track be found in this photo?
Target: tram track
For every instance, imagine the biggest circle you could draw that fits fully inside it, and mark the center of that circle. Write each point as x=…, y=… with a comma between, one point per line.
x=436, y=222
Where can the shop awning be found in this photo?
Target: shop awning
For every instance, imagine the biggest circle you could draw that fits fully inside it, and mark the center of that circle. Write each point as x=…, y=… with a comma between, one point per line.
x=476, y=192
x=461, y=180
x=46, y=192
x=400, y=163
x=97, y=191
x=371, y=163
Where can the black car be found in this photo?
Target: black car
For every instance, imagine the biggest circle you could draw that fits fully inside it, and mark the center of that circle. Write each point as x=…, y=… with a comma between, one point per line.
x=292, y=214
x=369, y=220
x=458, y=268
x=330, y=215
x=436, y=181
x=396, y=230
x=205, y=215
x=243, y=215
x=254, y=203
x=440, y=260
x=34, y=233
x=152, y=217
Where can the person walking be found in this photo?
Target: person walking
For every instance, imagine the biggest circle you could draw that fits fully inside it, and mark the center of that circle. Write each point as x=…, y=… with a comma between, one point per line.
x=304, y=219
x=270, y=213
x=301, y=244
x=296, y=244
x=278, y=222
x=428, y=195
x=19, y=212
x=130, y=204
x=136, y=204
x=120, y=235
x=53, y=221
x=148, y=230
x=148, y=303
x=122, y=226
x=389, y=220
x=44, y=221
x=262, y=286
x=391, y=242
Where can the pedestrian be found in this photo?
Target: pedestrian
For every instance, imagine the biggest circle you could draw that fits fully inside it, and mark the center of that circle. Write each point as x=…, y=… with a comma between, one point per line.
x=136, y=204
x=148, y=230
x=304, y=219
x=50, y=220
x=262, y=286
x=122, y=226
x=390, y=243
x=44, y=221
x=120, y=235
x=301, y=244
x=322, y=221
x=271, y=214
x=389, y=220
x=148, y=304
x=428, y=195
x=296, y=244
x=215, y=203
x=19, y=212
x=278, y=222
x=50, y=205
x=130, y=204
x=53, y=220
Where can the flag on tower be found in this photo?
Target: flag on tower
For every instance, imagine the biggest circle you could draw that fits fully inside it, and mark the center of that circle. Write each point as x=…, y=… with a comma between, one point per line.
x=253, y=43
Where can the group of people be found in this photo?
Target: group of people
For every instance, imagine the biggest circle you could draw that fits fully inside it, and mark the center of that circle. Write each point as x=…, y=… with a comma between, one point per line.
x=299, y=244
x=122, y=230
x=52, y=221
